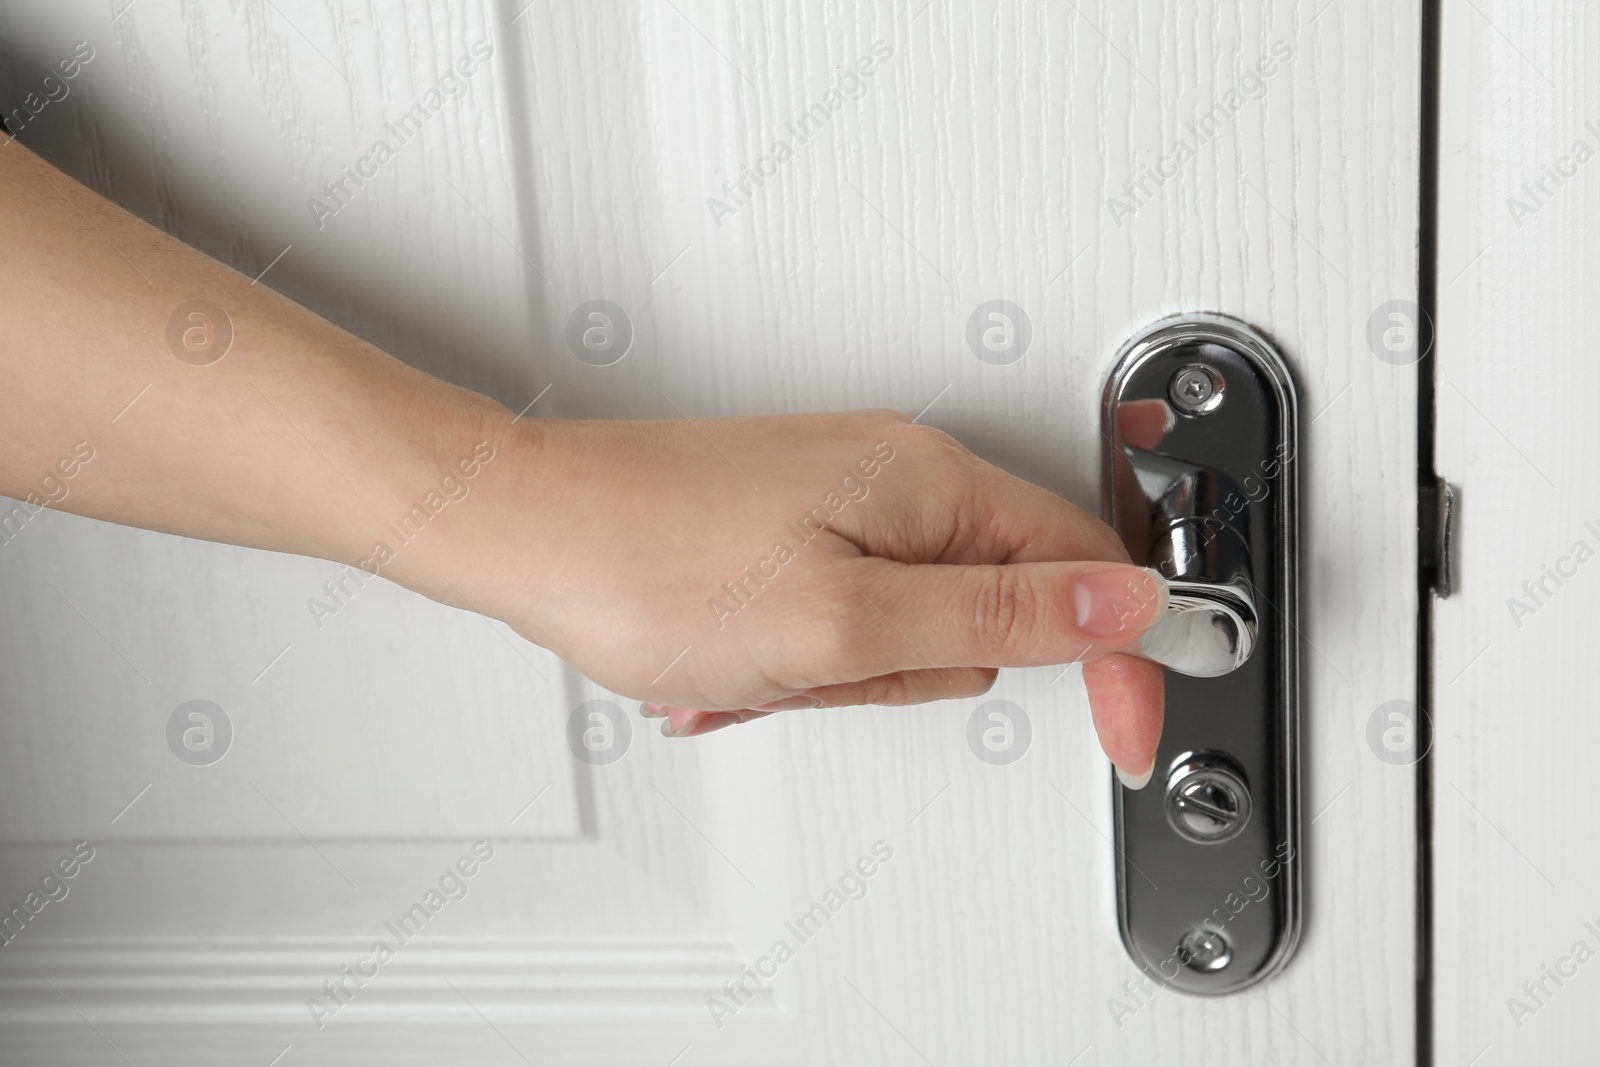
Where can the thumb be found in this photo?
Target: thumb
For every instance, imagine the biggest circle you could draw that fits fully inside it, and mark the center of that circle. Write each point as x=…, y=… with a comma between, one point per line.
x=1001, y=615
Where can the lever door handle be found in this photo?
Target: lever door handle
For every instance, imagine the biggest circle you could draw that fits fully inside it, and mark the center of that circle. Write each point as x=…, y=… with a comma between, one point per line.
x=1210, y=625
x=1200, y=472
x=1182, y=516
x=1209, y=629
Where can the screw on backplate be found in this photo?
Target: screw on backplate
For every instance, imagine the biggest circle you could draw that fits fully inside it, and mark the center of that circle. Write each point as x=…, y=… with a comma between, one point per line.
x=1205, y=951
x=1195, y=389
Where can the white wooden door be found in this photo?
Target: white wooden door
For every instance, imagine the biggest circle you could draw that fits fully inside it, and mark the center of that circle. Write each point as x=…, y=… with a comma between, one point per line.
x=1099, y=165
x=1516, y=917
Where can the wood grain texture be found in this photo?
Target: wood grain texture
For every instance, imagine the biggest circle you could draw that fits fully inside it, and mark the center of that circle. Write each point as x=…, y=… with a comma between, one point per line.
x=976, y=162
x=1516, y=879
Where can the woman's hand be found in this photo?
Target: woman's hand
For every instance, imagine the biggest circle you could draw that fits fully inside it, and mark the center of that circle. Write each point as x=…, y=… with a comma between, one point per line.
x=715, y=569
x=723, y=569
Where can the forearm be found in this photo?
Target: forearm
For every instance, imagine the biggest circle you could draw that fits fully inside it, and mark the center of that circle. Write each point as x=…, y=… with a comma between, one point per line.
x=301, y=438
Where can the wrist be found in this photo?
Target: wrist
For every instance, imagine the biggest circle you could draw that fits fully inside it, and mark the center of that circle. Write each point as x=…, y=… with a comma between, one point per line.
x=455, y=507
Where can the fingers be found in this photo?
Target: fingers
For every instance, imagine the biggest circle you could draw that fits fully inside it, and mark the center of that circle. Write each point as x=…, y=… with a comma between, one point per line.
x=922, y=621
x=1126, y=698
x=1033, y=525
x=1024, y=523
x=684, y=722
x=919, y=616
x=942, y=504
x=891, y=690
x=900, y=688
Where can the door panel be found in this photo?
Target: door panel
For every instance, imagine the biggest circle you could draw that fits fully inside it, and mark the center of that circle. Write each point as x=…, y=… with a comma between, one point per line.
x=1097, y=166
x=1515, y=879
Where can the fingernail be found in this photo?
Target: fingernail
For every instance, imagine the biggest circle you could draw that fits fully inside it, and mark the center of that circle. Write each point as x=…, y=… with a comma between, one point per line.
x=652, y=711
x=1119, y=601
x=1130, y=782
x=790, y=704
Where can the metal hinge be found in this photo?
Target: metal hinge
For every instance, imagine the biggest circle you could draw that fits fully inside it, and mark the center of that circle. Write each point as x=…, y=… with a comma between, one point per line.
x=1436, y=505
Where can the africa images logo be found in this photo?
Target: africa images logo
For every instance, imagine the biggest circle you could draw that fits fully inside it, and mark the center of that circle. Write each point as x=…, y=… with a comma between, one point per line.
x=452, y=85
x=451, y=886
x=852, y=84
x=752, y=979
x=1147, y=181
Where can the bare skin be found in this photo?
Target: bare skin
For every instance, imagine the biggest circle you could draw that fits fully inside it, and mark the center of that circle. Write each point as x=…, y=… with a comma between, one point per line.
x=921, y=570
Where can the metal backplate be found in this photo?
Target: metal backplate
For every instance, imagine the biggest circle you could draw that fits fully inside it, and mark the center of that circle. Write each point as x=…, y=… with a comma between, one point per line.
x=1200, y=422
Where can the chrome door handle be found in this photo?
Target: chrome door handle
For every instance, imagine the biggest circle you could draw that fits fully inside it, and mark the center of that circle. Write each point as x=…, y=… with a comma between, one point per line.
x=1200, y=483
x=1183, y=519
x=1207, y=631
